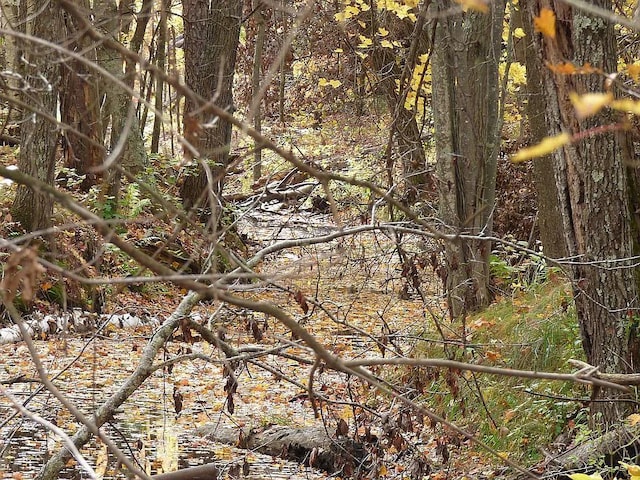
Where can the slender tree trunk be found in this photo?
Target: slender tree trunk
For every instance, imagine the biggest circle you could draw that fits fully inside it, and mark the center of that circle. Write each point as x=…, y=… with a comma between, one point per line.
x=406, y=132
x=465, y=99
x=255, y=86
x=34, y=209
x=160, y=63
x=211, y=32
x=9, y=61
x=593, y=193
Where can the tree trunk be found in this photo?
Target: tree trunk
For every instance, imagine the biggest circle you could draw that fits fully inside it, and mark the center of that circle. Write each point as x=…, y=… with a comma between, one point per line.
x=410, y=151
x=549, y=214
x=9, y=59
x=33, y=209
x=593, y=192
x=118, y=109
x=465, y=108
x=255, y=88
x=211, y=33
x=80, y=110
x=160, y=63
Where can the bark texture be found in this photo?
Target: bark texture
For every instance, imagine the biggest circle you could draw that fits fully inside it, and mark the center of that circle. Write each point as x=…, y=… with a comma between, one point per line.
x=118, y=110
x=80, y=110
x=593, y=194
x=32, y=208
x=549, y=214
x=465, y=108
x=211, y=32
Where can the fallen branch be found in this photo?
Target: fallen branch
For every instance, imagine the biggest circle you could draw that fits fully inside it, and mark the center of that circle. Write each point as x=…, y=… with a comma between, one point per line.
x=608, y=449
x=142, y=372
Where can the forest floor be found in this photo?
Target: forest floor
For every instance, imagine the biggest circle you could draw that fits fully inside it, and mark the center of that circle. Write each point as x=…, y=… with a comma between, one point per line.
x=355, y=295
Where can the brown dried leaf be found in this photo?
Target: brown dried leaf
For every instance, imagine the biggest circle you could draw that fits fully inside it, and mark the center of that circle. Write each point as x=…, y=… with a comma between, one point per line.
x=177, y=400
x=302, y=301
x=22, y=267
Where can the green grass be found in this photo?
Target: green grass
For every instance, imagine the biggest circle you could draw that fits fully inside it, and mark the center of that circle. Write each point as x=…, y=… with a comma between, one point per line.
x=534, y=330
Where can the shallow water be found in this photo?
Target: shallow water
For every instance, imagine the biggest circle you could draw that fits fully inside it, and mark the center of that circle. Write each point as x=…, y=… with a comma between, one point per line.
x=146, y=427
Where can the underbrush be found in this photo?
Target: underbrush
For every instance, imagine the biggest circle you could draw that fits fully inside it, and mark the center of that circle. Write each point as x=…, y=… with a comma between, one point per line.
x=534, y=330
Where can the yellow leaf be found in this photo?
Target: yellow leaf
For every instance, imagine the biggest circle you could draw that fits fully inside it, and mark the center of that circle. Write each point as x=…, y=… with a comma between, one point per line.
x=383, y=471
x=634, y=418
x=634, y=71
x=584, y=476
x=386, y=44
x=365, y=42
x=626, y=105
x=323, y=82
x=547, y=145
x=590, y=103
x=478, y=5
x=339, y=50
x=519, y=33
x=546, y=23
x=383, y=32
x=634, y=470
x=335, y=83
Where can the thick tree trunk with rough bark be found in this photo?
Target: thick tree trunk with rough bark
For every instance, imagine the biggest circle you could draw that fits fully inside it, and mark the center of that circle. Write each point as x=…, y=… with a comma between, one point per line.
x=465, y=108
x=33, y=209
x=211, y=33
x=593, y=193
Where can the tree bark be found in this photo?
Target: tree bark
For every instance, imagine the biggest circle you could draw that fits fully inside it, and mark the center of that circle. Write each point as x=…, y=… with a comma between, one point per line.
x=593, y=194
x=160, y=63
x=32, y=208
x=410, y=150
x=211, y=32
x=549, y=214
x=80, y=109
x=118, y=109
x=465, y=108
x=255, y=87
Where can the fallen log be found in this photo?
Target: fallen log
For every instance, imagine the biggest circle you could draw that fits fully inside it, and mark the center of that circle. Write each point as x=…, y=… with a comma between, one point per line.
x=202, y=472
x=310, y=446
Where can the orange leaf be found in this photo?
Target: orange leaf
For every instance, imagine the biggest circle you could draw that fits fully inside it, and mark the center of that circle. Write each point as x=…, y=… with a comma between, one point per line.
x=508, y=415
x=566, y=68
x=546, y=23
x=493, y=356
x=634, y=71
x=481, y=6
x=569, y=68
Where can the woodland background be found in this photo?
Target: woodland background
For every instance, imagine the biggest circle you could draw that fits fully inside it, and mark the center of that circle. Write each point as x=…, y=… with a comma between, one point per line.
x=390, y=238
